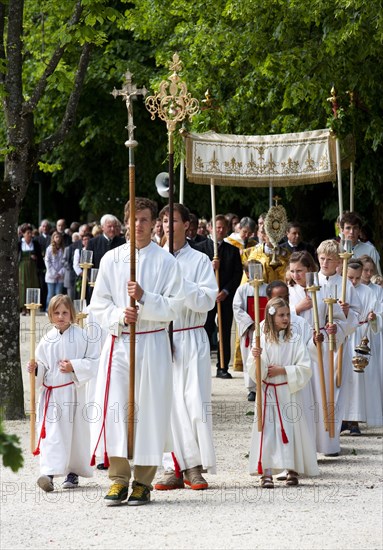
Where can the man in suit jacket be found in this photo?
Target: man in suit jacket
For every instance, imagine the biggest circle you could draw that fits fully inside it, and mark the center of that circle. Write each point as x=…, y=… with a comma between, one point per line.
x=191, y=233
x=110, y=238
x=294, y=242
x=230, y=274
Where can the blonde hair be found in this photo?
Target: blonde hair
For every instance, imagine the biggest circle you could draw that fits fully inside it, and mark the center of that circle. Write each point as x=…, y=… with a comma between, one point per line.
x=58, y=300
x=377, y=280
x=56, y=247
x=329, y=248
x=271, y=333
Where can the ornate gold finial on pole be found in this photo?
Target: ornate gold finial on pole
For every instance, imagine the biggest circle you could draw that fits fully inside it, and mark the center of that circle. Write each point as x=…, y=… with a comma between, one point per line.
x=172, y=104
x=333, y=99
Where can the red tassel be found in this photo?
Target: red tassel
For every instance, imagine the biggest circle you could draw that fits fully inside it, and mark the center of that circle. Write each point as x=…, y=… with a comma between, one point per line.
x=43, y=432
x=93, y=460
x=36, y=452
x=247, y=341
x=284, y=436
x=260, y=469
x=106, y=460
x=177, y=469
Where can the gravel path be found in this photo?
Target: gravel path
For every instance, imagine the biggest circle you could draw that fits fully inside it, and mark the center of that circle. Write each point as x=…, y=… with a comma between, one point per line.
x=340, y=509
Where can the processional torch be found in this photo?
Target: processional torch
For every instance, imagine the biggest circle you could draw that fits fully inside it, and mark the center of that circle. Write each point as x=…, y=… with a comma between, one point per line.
x=129, y=92
x=256, y=280
x=330, y=300
x=33, y=304
x=345, y=254
x=312, y=286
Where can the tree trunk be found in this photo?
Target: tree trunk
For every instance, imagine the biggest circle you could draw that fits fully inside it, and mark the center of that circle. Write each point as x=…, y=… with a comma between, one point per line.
x=17, y=174
x=11, y=384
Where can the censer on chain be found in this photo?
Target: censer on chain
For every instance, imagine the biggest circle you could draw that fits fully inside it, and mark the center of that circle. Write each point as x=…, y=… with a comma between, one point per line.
x=361, y=360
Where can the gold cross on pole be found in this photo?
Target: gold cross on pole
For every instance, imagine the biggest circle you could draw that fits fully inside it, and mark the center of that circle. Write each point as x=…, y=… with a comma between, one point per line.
x=129, y=91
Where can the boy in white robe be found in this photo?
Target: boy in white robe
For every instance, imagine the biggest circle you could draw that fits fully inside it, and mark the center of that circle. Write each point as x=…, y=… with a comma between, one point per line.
x=284, y=442
x=364, y=391
x=159, y=292
x=329, y=261
x=191, y=414
x=66, y=360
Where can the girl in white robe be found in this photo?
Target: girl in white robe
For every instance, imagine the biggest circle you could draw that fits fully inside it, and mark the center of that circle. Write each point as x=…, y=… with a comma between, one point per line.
x=66, y=360
x=284, y=442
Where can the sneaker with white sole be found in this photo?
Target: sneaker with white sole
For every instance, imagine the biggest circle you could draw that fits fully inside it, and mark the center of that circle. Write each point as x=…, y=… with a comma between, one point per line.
x=71, y=481
x=140, y=494
x=116, y=494
x=194, y=479
x=169, y=481
x=46, y=483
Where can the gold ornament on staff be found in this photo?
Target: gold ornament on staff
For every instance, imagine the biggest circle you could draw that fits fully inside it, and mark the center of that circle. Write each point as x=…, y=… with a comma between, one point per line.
x=345, y=255
x=275, y=227
x=33, y=304
x=256, y=280
x=129, y=92
x=330, y=300
x=172, y=104
x=312, y=286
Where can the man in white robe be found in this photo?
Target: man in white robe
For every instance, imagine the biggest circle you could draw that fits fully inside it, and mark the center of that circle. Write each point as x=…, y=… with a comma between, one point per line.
x=191, y=414
x=159, y=292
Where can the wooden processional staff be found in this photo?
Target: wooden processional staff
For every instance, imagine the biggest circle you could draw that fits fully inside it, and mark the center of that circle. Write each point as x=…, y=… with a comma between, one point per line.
x=216, y=258
x=330, y=300
x=312, y=286
x=256, y=280
x=129, y=92
x=346, y=254
x=33, y=304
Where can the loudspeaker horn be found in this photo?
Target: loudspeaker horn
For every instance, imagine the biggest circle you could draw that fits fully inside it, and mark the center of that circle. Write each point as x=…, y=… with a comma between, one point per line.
x=162, y=184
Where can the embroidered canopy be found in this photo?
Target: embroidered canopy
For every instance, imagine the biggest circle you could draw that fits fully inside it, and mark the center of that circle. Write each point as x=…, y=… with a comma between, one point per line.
x=260, y=161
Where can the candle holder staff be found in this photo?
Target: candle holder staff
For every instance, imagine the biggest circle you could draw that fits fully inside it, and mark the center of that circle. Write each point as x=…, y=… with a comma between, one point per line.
x=32, y=304
x=330, y=300
x=312, y=286
x=256, y=280
x=345, y=255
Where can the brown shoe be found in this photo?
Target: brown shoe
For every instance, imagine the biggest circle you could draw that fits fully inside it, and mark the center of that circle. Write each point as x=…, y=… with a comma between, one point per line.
x=169, y=481
x=292, y=478
x=194, y=479
x=267, y=482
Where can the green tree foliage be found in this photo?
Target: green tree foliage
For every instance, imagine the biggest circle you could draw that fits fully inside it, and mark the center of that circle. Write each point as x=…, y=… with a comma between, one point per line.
x=10, y=450
x=45, y=49
x=270, y=66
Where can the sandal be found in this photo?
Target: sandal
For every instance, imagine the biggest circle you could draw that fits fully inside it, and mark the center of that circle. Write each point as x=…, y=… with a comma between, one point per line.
x=292, y=478
x=267, y=482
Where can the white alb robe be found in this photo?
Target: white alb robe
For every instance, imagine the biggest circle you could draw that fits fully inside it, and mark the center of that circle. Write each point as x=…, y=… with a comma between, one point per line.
x=298, y=453
x=324, y=443
x=365, y=403
x=158, y=273
x=66, y=447
x=191, y=414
